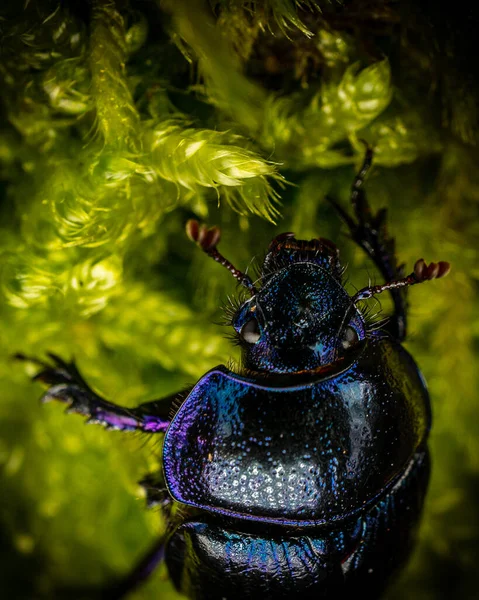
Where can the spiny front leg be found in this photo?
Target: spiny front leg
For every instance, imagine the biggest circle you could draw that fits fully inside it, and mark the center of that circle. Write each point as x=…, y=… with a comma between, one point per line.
x=369, y=230
x=68, y=386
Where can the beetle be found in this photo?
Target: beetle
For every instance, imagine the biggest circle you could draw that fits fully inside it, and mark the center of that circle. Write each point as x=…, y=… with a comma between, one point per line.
x=303, y=473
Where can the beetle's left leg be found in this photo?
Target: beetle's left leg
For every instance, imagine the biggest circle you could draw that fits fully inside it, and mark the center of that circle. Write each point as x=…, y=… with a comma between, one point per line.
x=157, y=495
x=124, y=586
x=369, y=230
x=156, y=492
x=140, y=573
x=68, y=386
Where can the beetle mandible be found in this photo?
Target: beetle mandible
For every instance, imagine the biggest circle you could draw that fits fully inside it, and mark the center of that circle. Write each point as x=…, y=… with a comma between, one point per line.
x=303, y=474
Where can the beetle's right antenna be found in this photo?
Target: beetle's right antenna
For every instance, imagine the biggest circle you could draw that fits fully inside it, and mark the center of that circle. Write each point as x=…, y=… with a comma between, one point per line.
x=207, y=239
x=422, y=272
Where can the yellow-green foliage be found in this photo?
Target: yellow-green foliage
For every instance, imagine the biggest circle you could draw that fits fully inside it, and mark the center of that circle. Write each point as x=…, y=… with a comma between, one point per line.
x=119, y=126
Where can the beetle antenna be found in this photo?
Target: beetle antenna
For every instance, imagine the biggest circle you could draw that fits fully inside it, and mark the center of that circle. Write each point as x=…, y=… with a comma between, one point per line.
x=422, y=272
x=207, y=238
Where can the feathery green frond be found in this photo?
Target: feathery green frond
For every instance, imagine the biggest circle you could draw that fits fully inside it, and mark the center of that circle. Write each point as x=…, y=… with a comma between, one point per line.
x=198, y=158
x=122, y=121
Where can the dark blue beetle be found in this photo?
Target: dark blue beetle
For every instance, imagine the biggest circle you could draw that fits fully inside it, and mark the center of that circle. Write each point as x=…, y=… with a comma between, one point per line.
x=303, y=475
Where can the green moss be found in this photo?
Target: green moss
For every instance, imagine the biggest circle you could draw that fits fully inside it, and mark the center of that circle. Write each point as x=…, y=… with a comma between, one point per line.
x=118, y=127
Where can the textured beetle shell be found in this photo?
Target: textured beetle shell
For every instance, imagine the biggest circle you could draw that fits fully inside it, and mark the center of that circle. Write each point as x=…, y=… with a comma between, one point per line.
x=311, y=455
x=209, y=561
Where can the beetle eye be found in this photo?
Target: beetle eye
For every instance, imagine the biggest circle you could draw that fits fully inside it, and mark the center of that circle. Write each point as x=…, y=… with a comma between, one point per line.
x=349, y=338
x=250, y=331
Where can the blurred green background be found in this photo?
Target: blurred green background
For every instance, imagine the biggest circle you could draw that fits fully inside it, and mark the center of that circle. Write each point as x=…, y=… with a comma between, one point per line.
x=121, y=120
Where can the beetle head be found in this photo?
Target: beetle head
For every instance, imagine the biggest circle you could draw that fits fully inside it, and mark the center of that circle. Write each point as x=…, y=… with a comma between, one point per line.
x=301, y=317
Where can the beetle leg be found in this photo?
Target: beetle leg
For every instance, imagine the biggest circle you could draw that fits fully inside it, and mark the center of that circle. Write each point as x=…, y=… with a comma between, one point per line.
x=369, y=231
x=121, y=588
x=140, y=573
x=68, y=386
x=157, y=494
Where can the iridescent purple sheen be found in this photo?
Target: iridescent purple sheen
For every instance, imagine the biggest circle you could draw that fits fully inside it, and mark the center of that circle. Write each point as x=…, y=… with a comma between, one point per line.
x=124, y=419
x=115, y=421
x=305, y=455
x=155, y=424
x=125, y=422
x=81, y=399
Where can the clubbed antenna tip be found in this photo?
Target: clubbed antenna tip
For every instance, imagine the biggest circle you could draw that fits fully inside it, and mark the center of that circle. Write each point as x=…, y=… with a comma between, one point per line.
x=207, y=238
x=422, y=272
